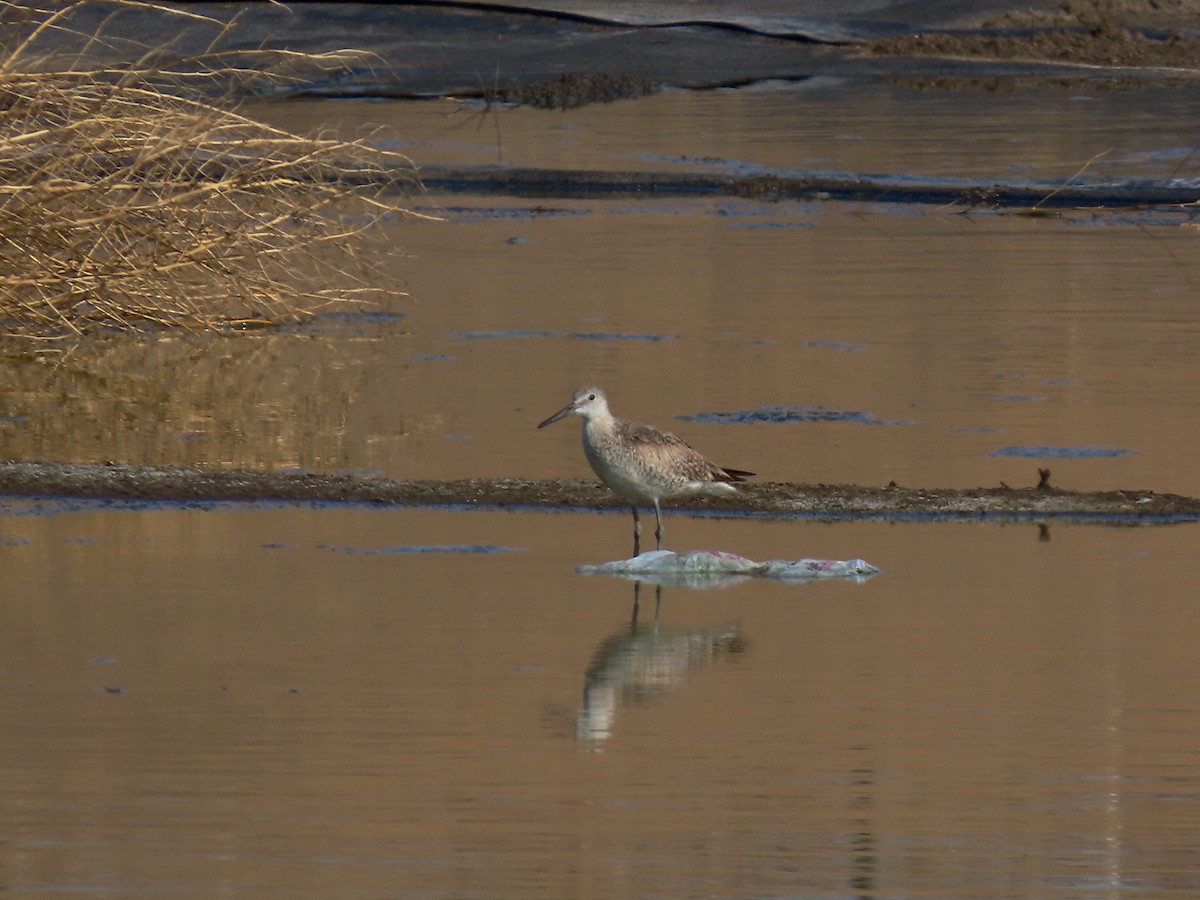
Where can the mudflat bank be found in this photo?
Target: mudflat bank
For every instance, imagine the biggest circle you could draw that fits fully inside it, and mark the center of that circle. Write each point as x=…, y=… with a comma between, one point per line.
x=486, y=50
x=199, y=485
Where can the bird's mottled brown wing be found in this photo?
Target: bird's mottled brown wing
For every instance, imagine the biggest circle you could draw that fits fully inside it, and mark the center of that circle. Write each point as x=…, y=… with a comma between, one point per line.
x=651, y=436
x=673, y=453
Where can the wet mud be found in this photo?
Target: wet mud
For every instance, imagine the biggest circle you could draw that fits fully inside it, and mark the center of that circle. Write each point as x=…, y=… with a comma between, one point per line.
x=820, y=501
x=1115, y=47
x=616, y=49
x=1106, y=33
x=1034, y=198
x=572, y=90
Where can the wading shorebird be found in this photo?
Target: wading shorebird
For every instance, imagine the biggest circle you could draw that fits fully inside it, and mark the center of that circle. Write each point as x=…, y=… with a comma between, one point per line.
x=640, y=463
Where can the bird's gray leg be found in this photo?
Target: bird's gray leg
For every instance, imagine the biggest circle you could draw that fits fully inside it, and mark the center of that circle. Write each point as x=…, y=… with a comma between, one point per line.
x=637, y=533
x=658, y=530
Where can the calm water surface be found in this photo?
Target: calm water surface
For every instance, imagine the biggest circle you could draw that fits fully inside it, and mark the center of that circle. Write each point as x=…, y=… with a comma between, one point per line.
x=295, y=701
x=272, y=700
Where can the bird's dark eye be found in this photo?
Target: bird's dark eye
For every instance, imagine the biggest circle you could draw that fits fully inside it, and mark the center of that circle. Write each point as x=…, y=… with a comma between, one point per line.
x=591, y=396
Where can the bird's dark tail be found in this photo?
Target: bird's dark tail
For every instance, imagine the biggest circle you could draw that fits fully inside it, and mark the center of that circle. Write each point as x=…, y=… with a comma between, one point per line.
x=736, y=474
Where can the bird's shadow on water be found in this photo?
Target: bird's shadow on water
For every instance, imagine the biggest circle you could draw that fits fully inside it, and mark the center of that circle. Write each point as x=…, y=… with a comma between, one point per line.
x=643, y=661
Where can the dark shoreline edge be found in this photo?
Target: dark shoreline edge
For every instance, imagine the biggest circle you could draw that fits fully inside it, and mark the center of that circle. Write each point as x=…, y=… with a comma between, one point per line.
x=161, y=484
x=583, y=184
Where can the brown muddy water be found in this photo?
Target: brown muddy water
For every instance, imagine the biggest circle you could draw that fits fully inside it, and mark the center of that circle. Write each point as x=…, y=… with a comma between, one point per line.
x=324, y=700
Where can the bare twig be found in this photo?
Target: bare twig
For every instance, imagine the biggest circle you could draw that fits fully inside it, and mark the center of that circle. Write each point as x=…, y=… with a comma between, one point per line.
x=1068, y=181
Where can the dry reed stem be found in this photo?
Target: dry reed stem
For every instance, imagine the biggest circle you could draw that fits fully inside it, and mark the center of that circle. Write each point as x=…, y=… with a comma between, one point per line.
x=129, y=201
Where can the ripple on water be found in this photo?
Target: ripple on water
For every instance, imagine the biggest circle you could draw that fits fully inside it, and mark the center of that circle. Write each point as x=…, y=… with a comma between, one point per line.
x=614, y=336
x=500, y=335
x=1035, y=452
x=789, y=414
x=484, y=549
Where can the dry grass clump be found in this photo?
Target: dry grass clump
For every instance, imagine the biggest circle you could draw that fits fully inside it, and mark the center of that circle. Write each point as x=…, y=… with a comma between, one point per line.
x=129, y=200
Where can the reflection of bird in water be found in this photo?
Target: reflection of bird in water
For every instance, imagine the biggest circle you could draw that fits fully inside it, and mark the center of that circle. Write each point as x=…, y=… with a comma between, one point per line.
x=633, y=664
x=640, y=463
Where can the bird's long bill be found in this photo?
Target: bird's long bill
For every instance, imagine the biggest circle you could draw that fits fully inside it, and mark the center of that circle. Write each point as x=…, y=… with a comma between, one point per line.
x=562, y=413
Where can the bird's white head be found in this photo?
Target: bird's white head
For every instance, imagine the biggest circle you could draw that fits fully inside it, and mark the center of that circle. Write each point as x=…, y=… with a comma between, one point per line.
x=588, y=402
